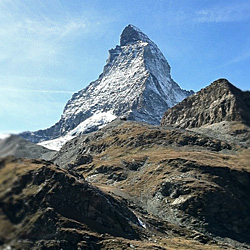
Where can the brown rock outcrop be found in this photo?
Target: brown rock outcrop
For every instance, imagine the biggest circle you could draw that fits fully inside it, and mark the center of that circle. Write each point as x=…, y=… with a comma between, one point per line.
x=220, y=101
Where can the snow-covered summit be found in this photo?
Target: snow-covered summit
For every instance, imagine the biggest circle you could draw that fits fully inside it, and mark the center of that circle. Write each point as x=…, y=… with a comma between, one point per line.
x=132, y=34
x=135, y=83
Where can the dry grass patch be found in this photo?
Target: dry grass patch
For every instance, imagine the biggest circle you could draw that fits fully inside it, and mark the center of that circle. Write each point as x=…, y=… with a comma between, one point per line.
x=159, y=243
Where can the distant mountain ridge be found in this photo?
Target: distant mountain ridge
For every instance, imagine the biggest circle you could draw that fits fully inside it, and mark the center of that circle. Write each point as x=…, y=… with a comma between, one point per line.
x=16, y=146
x=135, y=83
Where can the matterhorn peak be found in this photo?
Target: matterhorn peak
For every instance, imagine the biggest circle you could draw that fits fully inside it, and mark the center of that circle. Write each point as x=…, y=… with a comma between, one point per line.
x=132, y=34
x=135, y=83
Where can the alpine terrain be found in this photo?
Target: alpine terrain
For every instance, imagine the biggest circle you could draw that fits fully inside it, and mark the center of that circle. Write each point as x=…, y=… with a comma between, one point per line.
x=135, y=83
x=133, y=183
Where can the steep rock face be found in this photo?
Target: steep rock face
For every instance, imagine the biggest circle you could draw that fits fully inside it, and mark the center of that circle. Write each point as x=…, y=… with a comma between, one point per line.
x=135, y=83
x=220, y=101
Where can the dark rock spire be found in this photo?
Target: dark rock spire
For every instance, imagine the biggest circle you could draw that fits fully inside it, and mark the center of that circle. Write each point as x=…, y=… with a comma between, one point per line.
x=132, y=34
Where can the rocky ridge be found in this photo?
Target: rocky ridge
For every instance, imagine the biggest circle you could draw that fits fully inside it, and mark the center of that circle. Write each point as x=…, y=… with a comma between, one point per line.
x=220, y=101
x=135, y=83
x=219, y=111
x=43, y=206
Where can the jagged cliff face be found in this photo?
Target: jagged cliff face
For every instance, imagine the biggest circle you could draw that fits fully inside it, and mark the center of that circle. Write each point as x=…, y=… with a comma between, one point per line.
x=135, y=83
x=220, y=101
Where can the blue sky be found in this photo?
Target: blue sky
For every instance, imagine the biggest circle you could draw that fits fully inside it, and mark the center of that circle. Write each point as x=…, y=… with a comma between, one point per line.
x=51, y=49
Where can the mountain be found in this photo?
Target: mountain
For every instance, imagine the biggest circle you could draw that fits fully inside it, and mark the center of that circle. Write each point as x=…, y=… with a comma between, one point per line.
x=220, y=101
x=19, y=147
x=135, y=84
x=133, y=185
x=220, y=110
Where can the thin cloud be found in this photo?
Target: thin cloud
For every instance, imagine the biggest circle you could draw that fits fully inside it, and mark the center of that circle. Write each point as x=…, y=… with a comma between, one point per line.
x=36, y=91
x=29, y=38
x=45, y=27
x=38, y=41
x=224, y=14
x=240, y=58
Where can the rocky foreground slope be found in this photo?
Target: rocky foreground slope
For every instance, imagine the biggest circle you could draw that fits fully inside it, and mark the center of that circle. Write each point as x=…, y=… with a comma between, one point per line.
x=132, y=185
x=46, y=207
x=178, y=176
x=136, y=83
x=129, y=186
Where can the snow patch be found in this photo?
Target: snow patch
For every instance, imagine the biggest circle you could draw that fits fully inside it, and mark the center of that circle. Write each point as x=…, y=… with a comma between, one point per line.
x=57, y=143
x=96, y=121
x=141, y=223
x=99, y=119
x=4, y=136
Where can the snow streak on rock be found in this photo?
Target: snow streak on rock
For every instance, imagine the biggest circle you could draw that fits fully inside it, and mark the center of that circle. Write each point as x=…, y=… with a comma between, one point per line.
x=96, y=121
